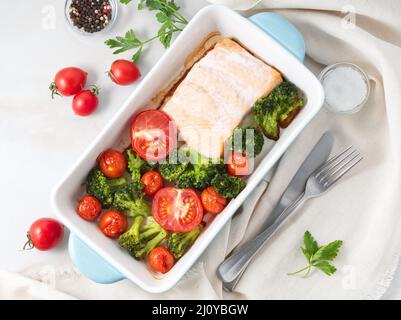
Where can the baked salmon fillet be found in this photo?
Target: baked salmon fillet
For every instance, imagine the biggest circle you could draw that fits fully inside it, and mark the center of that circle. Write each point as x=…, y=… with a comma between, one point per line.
x=216, y=94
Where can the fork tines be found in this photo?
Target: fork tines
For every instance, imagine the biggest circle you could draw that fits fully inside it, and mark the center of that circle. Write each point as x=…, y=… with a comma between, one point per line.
x=337, y=166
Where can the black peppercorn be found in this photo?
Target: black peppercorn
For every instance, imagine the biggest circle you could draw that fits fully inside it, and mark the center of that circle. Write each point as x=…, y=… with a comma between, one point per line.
x=90, y=15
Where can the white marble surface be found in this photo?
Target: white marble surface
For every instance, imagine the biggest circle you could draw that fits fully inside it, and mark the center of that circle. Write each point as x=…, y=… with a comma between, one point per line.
x=41, y=138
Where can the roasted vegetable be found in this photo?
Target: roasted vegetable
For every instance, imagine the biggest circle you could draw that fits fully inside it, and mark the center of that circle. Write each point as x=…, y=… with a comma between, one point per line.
x=278, y=109
x=180, y=242
x=246, y=140
x=266, y=117
x=130, y=200
x=200, y=171
x=228, y=186
x=99, y=186
x=290, y=102
x=172, y=171
x=142, y=237
x=137, y=166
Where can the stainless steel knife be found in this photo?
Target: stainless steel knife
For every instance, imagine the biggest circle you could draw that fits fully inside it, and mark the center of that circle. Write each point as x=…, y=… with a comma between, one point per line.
x=313, y=161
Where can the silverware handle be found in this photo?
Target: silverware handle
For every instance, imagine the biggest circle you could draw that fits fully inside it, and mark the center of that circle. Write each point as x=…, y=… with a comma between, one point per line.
x=231, y=269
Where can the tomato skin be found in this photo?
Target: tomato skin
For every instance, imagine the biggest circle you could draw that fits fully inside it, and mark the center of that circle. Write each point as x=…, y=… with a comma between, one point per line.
x=89, y=208
x=177, y=210
x=124, y=72
x=152, y=182
x=212, y=201
x=69, y=81
x=238, y=164
x=85, y=102
x=153, y=135
x=113, y=223
x=45, y=233
x=161, y=259
x=112, y=163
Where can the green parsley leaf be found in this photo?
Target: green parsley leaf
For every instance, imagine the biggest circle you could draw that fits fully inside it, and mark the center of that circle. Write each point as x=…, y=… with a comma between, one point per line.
x=168, y=15
x=129, y=41
x=137, y=55
x=318, y=257
x=326, y=267
x=328, y=252
x=310, y=245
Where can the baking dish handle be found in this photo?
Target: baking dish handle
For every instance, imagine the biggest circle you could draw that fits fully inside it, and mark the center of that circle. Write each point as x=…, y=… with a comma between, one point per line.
x=282, y=31
x=90, y=263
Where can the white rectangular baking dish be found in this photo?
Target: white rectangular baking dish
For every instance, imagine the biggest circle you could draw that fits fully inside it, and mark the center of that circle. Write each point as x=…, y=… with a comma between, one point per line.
x=208, y=20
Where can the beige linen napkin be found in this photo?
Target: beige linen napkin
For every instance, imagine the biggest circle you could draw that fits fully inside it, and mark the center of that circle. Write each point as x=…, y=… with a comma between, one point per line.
x=363, y=210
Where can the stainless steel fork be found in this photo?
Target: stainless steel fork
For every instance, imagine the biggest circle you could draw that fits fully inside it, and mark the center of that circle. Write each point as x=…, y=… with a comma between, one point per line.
x=231, y=269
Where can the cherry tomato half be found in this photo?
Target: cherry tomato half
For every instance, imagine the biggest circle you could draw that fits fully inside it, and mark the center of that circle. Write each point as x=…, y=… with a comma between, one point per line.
x=238, y=164
x=68, y=81
x=212, y=201
x=152, y=182
x=124, y=72
x=44, y=234
x=161, y=259
x=177, y=210
x=112, y=163
x=153, y=135
x=85, y=102
x=89, y=208
x=113, y=223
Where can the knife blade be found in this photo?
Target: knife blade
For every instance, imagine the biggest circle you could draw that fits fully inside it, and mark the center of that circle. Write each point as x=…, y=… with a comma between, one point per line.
x=313, y=161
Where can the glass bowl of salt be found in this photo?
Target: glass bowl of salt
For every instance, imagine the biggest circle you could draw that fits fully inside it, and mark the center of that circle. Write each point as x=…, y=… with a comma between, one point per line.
x=346, y=87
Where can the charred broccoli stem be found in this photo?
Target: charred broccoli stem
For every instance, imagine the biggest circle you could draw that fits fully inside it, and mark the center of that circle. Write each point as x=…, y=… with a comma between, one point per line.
x=142, y=237
x=228, y=186
x=246, y=140
x=102, y=188
x=131, y=201
x=278, y=109
x=180, y=242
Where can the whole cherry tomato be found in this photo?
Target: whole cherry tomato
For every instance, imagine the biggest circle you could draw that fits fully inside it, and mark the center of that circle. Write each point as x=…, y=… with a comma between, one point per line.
x=85, y=102
x=238, y=164
x=112, y=163
x=212, y=201
x=44, y=234
x=161, y=259
x=113, y=223
x=124, y=72
x=152, y=182
x=68, y=81
x=89, y=208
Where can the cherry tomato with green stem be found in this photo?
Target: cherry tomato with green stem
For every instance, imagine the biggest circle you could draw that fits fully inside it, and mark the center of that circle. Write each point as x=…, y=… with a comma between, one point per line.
x=44, y=234
x=85, y=102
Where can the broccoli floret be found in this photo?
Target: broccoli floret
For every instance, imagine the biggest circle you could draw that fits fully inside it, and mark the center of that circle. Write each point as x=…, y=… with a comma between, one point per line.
x=278, y=109
x=180, y=242
x=228, y=186
x=131, y=201
x=200, y=171
x=199, y=177
x=102, y=188
x=137, y=166
x=247, y=140
x=172, y=171
x=141, y=238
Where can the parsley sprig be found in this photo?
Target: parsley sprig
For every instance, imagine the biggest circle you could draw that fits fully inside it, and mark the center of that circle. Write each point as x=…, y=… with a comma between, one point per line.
x=318, y=256
x=168, y=15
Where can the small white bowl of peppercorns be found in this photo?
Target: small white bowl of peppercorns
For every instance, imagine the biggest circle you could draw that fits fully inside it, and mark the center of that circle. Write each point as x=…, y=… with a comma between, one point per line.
x=90, y=17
